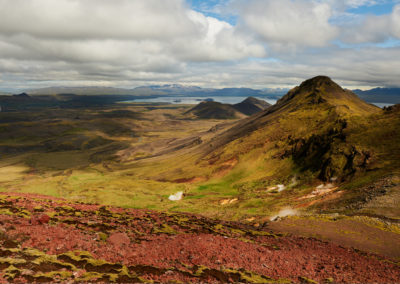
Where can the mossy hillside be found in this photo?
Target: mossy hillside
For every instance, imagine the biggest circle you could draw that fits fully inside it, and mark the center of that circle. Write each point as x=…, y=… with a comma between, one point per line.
x=256, y=170
x=29, y=264
x=69, y=267
x=309, y=136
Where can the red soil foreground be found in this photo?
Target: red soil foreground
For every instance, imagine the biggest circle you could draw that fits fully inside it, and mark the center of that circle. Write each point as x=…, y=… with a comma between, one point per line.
x=50, y=239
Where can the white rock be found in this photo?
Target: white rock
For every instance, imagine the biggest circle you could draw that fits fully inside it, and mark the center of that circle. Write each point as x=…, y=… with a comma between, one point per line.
x=177, y=196
x=284, y=213
x=281, y=187
x=325, y=186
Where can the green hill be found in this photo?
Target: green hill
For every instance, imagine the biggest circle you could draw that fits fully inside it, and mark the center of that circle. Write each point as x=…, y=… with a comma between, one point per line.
x=318, y=133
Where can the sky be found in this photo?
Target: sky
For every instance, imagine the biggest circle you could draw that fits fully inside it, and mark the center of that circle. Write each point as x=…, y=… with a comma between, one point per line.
x=213, y=43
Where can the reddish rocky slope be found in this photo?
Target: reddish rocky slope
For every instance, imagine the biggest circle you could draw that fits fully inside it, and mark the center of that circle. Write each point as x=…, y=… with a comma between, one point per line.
x=49, y=239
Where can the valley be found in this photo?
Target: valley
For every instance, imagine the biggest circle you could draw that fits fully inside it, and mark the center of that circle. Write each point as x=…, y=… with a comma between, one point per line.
x=320, y=166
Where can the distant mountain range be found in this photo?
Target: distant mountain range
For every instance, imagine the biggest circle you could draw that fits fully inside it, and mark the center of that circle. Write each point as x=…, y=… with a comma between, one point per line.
x=380, y=95
x=377, y=95
x=161, y=90
x=80, y=91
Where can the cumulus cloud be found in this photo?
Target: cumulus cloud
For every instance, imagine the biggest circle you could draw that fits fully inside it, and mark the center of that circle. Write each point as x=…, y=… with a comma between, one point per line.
x=292, y=22
x=221, y=41
x=373, y=29
x=95, y=18
x=133, y=42
x=140, y=37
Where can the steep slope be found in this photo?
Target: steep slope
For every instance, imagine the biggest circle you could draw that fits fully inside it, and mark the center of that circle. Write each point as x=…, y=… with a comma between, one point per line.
x=322, y=90
x=319, y=146
x=214, y=110
x=311, y=133
x=317, y=98
x=317, y=133
x=251, y=106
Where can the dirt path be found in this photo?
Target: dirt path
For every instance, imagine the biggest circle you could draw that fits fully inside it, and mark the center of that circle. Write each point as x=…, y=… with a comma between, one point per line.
x=364, y=233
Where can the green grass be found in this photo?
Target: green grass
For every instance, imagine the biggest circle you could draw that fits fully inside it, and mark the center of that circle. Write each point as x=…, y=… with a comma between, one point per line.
x=262, y=156
x=201, y=196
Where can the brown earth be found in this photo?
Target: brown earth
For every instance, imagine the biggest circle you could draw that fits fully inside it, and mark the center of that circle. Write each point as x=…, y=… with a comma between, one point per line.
x=360, y=232
x=50, y=239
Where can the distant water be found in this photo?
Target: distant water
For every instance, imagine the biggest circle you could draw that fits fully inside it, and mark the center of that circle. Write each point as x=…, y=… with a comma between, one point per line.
x=196, y=100
x=381, y=105
x=221, y=99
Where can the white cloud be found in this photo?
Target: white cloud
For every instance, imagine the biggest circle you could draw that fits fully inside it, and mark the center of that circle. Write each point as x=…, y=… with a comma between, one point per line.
x=373, y=29
x=291, y=22
x=358, y=3
x=140, y=37
x=395, y=22
x=133, y=42
x=222, y=42
x=95, y=18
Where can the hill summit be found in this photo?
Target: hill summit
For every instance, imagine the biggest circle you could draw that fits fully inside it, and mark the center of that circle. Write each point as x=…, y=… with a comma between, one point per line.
x=251, y=106
x=216, y=110
x=308, y=131
x=322, y=90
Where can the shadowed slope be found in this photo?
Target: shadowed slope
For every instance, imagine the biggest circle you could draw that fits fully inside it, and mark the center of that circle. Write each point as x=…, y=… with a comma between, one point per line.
x=251, y=106
x=309, y=125
x=214, y=110
x=319, y=96
x=322, y=90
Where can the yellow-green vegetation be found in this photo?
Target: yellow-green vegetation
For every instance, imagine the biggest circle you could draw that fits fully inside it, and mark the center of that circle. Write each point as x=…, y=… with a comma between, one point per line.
x=80, y=266
x=64, y=266
x=137, y=155
x=307, y=280
x=369, y=221
x=238, y=275
x=377, y=223
x=164, y=229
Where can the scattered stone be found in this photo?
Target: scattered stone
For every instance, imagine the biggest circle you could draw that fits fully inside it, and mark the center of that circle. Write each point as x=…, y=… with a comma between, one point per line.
x=284, y=213
x=177, y=196
x=281, y=187
x=325, y=186
x=228, y=201
x=42, y=219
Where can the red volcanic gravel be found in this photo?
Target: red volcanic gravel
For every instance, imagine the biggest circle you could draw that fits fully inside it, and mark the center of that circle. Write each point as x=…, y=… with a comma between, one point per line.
x=119, y=240
x=163, y=240
x=43, y=219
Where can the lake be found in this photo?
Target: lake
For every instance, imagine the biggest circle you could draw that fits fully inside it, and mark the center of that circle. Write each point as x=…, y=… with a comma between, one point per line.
x=221, y=99
x=196, y=100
